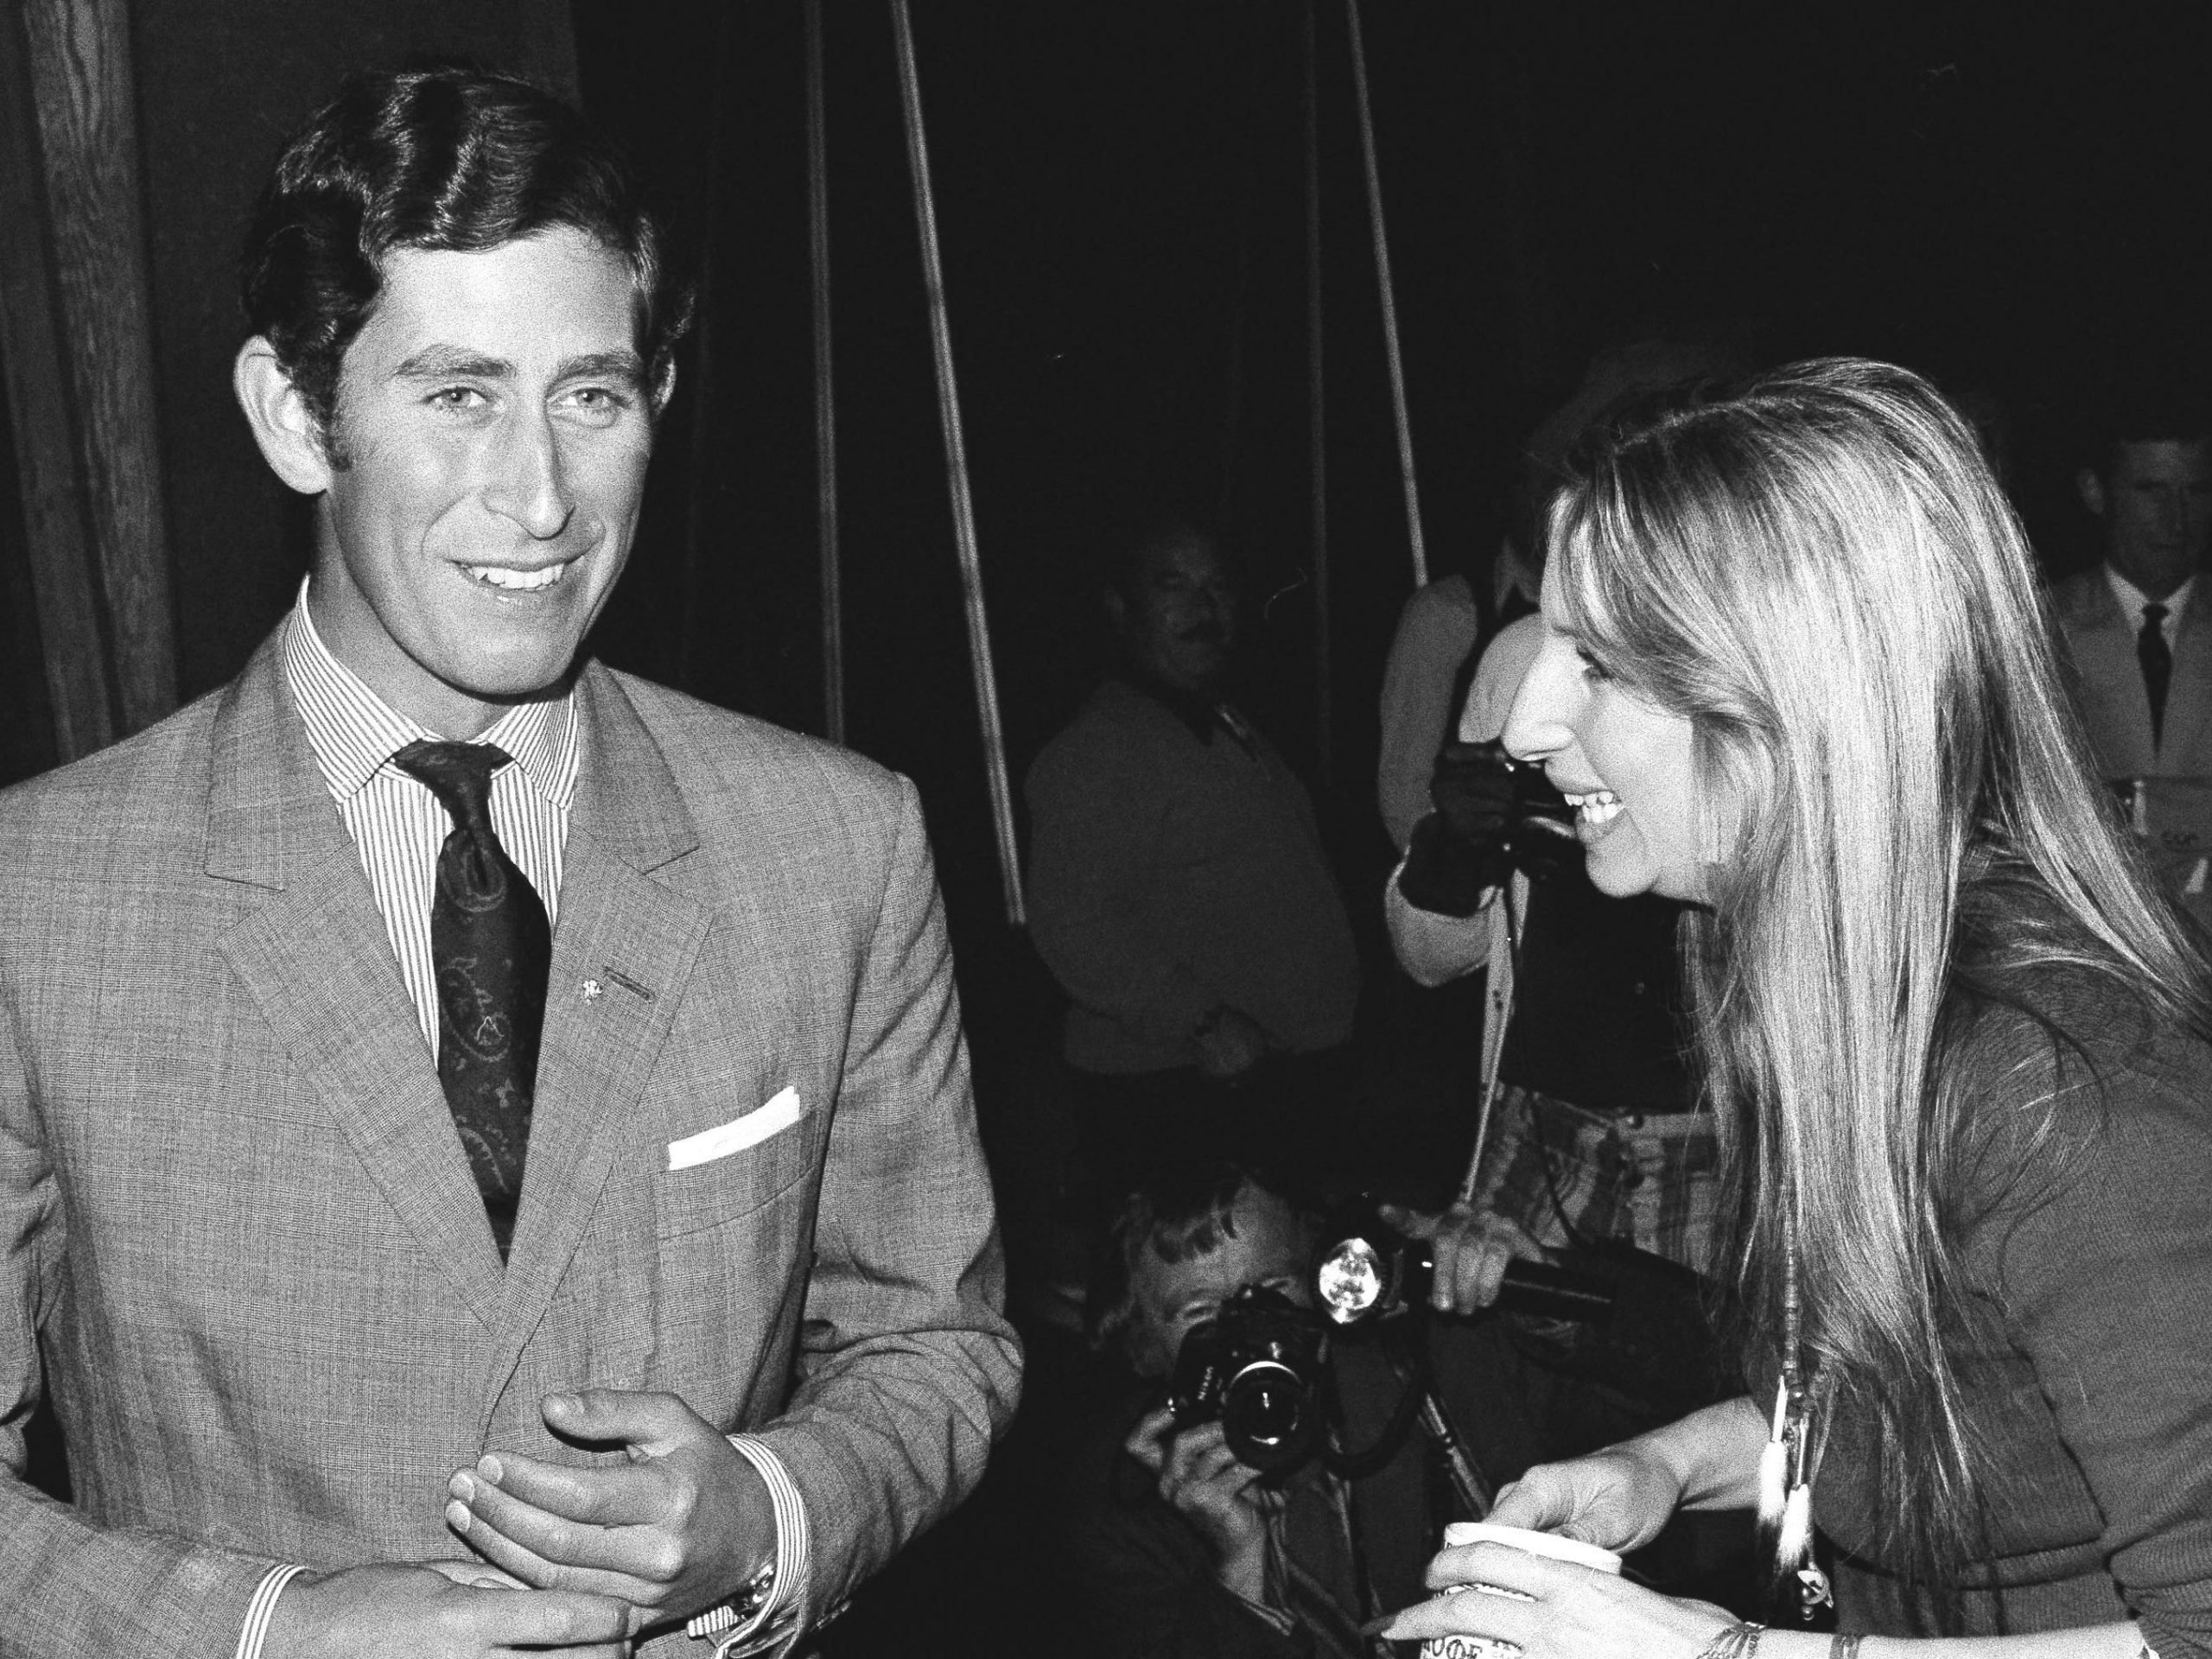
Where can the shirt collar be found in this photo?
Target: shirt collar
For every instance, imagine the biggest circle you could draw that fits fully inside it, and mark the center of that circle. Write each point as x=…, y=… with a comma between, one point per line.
x=353, y=732
x=1203, y=714
x=2134, y=598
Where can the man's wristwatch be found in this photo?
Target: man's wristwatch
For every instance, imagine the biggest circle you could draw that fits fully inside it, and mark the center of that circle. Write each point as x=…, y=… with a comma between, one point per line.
x=752, y=1596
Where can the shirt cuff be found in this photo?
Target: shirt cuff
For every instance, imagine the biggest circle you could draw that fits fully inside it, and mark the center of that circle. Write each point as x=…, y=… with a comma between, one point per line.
x=793, y=1564
x=257, y=1610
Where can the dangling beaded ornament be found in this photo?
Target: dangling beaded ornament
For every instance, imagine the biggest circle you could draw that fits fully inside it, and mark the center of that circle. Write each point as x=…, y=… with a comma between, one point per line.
x=1785, y=1520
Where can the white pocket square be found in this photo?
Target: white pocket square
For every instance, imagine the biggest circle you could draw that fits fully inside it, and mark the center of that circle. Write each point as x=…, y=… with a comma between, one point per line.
x=778, y=1112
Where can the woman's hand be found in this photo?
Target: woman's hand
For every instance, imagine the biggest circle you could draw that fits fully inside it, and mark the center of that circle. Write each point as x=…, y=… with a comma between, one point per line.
x=1618, y=1499
x=1570, y=1612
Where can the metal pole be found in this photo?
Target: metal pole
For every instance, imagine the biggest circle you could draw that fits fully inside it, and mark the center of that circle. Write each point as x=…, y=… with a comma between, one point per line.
x=956, y=467
x=1389, y=301
x=825, y=384
x=1316, y=405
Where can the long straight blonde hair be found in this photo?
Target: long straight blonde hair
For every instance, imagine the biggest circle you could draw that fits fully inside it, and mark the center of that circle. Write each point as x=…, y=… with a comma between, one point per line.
x=1820, y=571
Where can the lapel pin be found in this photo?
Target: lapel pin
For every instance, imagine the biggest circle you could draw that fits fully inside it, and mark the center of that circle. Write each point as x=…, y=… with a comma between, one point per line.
x=593, y=991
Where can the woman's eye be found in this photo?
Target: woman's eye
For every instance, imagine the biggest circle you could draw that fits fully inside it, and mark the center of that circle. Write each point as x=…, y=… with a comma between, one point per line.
x=1591, y=668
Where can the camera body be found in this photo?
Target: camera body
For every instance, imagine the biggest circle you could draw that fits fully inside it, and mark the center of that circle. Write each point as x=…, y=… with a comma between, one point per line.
x=1259, y=1366
x=1537, y=835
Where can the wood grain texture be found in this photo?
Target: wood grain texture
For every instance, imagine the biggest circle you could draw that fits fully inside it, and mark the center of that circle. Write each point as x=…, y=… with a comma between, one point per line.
x=57, y=532
x=79, y=59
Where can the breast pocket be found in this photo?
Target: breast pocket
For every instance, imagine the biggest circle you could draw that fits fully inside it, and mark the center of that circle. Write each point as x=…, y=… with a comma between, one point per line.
x=727, y=1171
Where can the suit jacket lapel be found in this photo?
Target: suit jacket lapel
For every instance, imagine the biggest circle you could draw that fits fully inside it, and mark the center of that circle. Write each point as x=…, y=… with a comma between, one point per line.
x=317, y=959
x=623, y=951
x=2188, y=697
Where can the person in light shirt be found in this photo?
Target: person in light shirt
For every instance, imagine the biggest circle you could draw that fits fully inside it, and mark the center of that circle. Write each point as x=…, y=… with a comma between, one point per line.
x=486, y=1158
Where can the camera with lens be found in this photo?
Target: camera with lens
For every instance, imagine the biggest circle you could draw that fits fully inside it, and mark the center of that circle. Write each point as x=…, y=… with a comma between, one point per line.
x=1367, y=1271
x=1494, y=815
x=1535, y=831
x=1258, y=1365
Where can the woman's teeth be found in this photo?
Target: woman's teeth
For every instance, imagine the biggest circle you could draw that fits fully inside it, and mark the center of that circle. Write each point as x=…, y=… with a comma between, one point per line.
x=1599, y=807
x=518, y=581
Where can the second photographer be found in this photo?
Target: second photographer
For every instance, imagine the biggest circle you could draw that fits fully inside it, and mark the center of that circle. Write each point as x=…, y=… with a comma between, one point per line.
x=1180, y=1545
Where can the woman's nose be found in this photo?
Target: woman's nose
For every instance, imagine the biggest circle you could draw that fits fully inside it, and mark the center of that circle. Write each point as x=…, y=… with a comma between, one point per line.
x=1537, y=725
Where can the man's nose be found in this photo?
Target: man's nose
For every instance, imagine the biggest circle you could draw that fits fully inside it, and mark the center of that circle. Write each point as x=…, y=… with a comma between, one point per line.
x=529, y=482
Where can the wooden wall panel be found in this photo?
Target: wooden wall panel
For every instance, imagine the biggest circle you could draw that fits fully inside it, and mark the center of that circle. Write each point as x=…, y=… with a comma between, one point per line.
x=73, y=334
x=79, y=59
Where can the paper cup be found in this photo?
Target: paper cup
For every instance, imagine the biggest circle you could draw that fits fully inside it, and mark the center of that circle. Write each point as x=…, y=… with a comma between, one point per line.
x=1461, y=1533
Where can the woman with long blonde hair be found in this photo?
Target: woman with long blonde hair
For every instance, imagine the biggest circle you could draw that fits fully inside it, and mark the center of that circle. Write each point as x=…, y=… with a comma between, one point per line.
x=1795, y=671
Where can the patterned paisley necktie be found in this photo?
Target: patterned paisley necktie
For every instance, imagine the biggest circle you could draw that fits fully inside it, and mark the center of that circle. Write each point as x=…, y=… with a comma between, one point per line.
x=492, y=949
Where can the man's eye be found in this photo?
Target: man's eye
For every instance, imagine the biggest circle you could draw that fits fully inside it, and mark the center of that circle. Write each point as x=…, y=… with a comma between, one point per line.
x=599, y=400
x=457, y=397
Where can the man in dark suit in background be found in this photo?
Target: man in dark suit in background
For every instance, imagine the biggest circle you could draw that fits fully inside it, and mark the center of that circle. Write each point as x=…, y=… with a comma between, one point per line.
x=2137, y=628
x=486, y=1152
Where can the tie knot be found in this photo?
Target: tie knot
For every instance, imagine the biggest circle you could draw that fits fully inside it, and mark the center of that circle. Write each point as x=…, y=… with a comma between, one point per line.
x=459, y=775
x=2153, y=615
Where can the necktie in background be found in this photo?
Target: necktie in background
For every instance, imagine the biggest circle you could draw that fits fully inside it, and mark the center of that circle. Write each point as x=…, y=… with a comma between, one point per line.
x=2158, y=662
x=493, y=949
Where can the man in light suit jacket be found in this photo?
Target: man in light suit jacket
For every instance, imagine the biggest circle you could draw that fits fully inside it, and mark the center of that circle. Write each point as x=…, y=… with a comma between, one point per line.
x=2152, y=490
x=696, y=1321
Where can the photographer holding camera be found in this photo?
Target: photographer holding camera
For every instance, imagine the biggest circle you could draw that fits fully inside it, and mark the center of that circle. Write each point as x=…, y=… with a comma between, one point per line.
x=1180, y=1544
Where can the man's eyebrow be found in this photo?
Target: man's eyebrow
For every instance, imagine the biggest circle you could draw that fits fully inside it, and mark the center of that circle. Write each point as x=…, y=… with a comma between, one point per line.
x=436, y=362
x=439, y=362
x=626, y=367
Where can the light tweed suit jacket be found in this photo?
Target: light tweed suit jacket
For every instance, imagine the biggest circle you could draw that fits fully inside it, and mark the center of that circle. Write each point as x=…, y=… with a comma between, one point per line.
x=238, y=1230
x=2107, y=680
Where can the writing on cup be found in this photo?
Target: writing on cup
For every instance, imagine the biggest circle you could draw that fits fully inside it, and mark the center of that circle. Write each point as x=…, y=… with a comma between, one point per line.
x=1461, y=1533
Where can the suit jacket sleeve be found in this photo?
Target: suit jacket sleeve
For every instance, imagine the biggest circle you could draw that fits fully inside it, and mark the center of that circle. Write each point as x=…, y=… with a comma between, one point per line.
x=906, y=1370
x=69, y=1586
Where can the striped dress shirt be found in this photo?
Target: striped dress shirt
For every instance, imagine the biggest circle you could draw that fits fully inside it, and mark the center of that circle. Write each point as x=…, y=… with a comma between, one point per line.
x=398, y=827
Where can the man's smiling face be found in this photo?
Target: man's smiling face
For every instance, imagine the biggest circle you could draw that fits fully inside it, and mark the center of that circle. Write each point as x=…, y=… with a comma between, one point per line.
x=491, y=435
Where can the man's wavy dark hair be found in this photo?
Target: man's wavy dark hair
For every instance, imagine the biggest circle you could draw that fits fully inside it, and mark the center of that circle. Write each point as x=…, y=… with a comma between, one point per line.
x=447, y=158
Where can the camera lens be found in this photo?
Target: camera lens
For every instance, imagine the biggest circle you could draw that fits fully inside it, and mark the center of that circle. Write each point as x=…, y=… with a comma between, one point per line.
x=1265, y=1404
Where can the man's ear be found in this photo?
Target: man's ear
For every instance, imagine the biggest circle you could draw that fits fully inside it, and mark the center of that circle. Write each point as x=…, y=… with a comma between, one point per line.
x=291, y=438
x=2090, y=486
x=663, y=386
